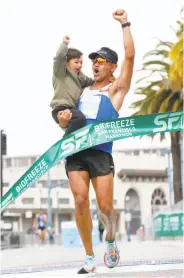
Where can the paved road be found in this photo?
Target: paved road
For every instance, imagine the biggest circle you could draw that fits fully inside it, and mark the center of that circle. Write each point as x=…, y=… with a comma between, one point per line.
x=138, y=259
x=166, y=270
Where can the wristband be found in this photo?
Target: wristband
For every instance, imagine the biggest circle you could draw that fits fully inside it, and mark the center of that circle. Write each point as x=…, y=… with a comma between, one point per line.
x=125, y=24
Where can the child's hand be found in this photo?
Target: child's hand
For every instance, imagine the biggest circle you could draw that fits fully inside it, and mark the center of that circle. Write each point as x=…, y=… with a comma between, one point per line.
x=64, y=117
x=66, y=39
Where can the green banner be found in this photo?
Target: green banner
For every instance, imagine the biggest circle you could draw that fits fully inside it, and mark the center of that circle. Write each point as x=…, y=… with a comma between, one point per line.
x=92, y=135
x=169, y=224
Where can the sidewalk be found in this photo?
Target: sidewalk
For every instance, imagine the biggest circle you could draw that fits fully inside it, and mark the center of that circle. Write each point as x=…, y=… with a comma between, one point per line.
x=57, y=255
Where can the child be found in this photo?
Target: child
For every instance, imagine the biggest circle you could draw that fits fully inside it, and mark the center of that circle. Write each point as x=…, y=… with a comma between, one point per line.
x=68, y=83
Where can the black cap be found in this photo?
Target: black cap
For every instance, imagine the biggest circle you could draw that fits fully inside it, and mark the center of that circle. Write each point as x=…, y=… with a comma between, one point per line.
x=106, y=53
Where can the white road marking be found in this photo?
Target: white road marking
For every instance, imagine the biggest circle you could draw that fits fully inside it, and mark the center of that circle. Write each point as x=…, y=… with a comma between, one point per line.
x=100, y=270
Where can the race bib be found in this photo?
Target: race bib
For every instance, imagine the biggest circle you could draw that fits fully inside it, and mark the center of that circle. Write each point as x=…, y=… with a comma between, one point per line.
x=89, y=106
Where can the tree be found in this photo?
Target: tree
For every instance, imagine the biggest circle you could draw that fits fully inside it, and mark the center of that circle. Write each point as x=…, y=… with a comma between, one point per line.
x=162, y=92
x=176, y=57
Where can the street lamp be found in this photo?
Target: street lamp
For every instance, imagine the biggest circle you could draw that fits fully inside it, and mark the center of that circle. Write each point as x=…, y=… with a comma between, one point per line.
x=49, y=212
x=39, y=185
x=127, y=202
x=128, y=216
x=3, y=151
x=169, y=174
x=57, y=208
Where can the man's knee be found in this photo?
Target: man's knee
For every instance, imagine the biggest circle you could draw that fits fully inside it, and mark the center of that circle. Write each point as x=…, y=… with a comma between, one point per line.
x=105, y=207
x=81, y=204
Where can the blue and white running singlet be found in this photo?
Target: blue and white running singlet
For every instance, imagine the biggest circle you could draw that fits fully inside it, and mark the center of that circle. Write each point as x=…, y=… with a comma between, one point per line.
x=41, y=222
x=97, y=107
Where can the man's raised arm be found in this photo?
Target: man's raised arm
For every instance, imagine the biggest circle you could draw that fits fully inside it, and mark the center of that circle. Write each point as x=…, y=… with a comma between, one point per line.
x=122, y=84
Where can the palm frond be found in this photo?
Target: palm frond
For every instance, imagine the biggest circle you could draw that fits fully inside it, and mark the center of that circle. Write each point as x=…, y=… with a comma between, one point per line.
x=157, y=101
x=177, y=106
x=136, y=104
x=164, y=104
x=163, y=43
x=151, y=72
x=163, y=52
x=179, y=33
x=154, y=84
x=165, y=65
x=141, y=79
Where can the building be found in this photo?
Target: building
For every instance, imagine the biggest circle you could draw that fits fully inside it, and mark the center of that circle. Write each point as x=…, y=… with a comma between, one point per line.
x=141, y=187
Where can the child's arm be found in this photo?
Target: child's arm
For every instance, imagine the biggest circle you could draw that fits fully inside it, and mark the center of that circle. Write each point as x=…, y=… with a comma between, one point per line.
x=85, y=81
x=59, y=65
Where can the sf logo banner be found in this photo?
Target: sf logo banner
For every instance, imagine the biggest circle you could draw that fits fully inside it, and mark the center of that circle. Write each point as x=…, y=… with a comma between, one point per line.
x=168, y=121
x=75, y=142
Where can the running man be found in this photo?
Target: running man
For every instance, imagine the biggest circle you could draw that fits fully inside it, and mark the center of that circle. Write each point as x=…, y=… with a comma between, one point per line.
x=101, y=101
x=40, y=222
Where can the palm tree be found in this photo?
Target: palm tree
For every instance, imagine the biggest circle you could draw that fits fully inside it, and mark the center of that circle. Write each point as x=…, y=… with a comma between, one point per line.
x=160, y=95
x=176, y=57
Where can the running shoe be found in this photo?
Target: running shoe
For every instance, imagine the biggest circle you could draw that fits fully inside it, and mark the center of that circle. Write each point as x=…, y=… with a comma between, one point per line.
x=111, y=256
x=89, y=265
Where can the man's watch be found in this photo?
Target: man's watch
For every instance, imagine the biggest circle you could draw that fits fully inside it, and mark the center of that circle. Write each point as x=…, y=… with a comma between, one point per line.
x=125, y=24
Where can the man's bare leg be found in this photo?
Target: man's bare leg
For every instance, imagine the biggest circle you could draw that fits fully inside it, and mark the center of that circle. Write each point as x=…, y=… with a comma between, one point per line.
x=103, y=187
x=79, y=183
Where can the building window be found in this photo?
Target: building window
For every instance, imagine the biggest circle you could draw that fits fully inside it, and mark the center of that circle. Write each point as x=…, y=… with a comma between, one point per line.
x=136, y=153
x=63, y=201
x=64, y=183
x=54, y=183
x=158, y=198
x=33, y=159
x=132, y=179
x=21, y=162
x=44, y=201
x=127, y=153
x=44, y=184
x=8, y=162
x=27, y=201
x=5, y=184
x=159, y=179
x=115, y=202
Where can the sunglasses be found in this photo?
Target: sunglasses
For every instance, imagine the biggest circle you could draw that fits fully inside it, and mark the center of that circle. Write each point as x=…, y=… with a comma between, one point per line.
x=100, y=61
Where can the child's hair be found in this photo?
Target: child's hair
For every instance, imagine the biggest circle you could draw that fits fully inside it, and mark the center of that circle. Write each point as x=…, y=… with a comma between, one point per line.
x=73, y=53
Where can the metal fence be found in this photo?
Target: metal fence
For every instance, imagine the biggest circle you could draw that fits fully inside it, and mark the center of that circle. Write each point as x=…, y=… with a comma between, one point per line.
x=18, y=240
x=11, y=240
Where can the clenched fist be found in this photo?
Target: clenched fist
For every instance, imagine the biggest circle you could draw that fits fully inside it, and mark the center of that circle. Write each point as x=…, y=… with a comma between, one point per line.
x=66, y=39
x=121, y=16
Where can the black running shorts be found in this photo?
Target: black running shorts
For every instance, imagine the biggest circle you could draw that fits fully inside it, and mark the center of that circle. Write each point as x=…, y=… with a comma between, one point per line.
x=95, y=162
